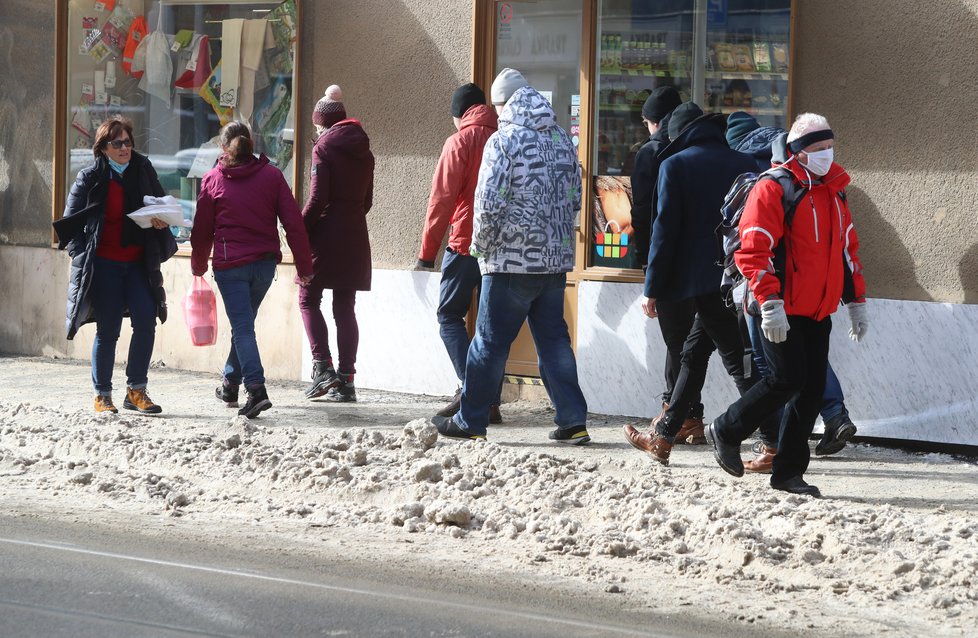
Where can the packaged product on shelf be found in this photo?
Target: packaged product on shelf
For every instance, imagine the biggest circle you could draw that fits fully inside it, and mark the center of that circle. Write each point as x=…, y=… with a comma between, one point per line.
x=745, y=62
x=762, y=57
x=115, y=31
x=725, y=56
x=779, y=51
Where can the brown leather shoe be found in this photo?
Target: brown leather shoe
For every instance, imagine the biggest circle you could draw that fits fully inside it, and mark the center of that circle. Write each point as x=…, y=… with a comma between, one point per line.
x=652, y=442
x=692, y=432
x=104, y=404
x=137, y=399
x=763, y=462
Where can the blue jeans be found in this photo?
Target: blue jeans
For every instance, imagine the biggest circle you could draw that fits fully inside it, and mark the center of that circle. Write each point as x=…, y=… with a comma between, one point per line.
x=459, y=279
x=243, y=289
x=833, y=401
x=506, y=301
x=117, y=286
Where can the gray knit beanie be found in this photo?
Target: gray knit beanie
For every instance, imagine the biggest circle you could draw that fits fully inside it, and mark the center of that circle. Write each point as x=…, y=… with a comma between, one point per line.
x=506, y=83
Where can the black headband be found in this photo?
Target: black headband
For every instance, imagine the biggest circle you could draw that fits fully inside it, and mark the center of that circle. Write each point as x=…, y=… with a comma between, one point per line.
x=807, y=140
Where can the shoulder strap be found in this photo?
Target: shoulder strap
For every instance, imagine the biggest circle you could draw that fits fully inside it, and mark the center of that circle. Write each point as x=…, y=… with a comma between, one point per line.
x=793, y=192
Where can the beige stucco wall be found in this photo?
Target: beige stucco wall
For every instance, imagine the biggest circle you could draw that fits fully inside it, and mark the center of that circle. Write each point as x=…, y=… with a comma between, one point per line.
x=897, y=81
x=34, y=282
x=398, y=62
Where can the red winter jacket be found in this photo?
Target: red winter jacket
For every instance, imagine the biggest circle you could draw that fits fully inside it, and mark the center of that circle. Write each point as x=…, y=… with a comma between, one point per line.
x=238, y=212
x=819, y=241
x=453, y=185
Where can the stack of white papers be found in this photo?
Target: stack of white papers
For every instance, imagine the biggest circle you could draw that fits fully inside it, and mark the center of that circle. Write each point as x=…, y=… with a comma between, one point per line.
x=167, y=209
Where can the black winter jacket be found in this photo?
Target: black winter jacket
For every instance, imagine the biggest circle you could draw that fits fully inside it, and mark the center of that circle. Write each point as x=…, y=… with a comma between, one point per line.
x=644, y=177
x=758, y=144
x=695, y=172
x=81, y=227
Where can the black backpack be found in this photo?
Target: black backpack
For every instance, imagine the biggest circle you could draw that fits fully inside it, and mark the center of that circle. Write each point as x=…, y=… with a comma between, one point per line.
x=733, y=282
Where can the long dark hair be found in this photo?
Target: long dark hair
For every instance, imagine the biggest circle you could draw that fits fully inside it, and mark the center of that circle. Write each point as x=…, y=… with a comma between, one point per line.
x=237, y=143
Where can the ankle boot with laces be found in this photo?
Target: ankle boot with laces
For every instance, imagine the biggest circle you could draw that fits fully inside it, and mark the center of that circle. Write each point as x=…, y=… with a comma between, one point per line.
x=324, y=379
x=257, y=402
x=137, y=399
x=103, y=403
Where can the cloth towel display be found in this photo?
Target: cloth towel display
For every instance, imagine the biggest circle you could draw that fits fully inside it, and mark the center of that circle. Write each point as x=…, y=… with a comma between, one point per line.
x=154, y=52
x=198, y=67
x=231, y=31
x=253, y=42
x=137, y=31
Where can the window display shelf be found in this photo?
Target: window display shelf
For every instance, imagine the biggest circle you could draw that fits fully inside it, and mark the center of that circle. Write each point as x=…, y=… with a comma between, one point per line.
x=622, y=108
x=727, y=110
x=732, y=75
x=644, y=73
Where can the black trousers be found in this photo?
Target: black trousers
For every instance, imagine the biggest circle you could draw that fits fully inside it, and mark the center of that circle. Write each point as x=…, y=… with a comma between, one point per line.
x=715, y=328
x=797, y=382
x=675, y=322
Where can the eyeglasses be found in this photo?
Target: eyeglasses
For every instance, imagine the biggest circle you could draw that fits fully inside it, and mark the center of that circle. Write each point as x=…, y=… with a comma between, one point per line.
x=117, y=144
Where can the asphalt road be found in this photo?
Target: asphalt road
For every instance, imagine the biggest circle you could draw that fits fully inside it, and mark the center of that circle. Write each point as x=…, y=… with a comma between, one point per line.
x=59, y=579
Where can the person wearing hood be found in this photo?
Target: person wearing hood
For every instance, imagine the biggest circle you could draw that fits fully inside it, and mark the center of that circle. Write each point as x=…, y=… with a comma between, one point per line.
x=526, y=200
x=242, y=200
x=115, y=264
x=684, y=264
x=335, y=217
x=450, y=207
x=675, y=318
x=821, y=268
x=766, y=144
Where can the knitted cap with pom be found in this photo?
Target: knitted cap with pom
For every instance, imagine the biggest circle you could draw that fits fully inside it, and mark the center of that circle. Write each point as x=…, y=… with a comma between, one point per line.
x=329, y=109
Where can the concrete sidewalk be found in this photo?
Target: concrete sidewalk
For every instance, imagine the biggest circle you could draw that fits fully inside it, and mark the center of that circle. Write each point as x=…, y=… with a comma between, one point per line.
x=860, y=473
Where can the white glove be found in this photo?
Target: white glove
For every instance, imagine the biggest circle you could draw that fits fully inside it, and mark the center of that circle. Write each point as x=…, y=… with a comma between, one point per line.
x=774, y=323
x=858, y=316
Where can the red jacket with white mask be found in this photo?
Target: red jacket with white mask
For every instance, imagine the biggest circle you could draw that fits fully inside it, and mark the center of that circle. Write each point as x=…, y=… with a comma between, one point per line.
x=819, y=244
x=453, y=184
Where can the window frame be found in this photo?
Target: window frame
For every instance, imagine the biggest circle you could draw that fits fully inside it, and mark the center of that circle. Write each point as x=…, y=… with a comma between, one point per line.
x=59, y=186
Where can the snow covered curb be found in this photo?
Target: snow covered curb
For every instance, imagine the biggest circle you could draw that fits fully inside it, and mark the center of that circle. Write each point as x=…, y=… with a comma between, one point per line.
x=632, y=526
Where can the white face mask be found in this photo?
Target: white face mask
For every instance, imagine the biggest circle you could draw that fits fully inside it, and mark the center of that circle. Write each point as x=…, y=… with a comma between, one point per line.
x=819, y=162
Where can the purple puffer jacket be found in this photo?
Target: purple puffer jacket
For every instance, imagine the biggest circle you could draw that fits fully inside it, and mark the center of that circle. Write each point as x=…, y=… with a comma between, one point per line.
x=238, y=211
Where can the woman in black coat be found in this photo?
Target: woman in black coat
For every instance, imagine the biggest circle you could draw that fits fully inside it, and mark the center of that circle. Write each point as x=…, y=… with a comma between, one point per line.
x=115, y=264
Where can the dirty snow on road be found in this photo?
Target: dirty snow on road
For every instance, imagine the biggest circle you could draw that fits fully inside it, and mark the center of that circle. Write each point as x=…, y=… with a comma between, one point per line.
x=679, y=539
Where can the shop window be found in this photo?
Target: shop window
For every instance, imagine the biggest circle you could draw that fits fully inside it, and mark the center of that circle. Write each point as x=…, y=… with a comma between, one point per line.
x=180, y=70
x=726, y=55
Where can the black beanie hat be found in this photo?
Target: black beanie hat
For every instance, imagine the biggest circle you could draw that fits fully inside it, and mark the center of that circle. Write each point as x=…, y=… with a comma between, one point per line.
x=466, y=96
x=682, y=117
x=661, y=103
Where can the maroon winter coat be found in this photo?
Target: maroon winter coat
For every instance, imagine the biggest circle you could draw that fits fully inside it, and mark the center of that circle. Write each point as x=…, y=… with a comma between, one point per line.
x=336, y=213
x=238, y=212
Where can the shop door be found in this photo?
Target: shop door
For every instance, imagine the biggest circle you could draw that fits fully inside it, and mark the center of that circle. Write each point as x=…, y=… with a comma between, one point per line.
x=542, y=40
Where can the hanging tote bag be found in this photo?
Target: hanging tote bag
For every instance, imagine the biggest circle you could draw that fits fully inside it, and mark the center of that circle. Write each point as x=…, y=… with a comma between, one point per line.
x=200, y=313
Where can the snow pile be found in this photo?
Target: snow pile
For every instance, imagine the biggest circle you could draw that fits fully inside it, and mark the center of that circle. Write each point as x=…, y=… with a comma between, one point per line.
x=594, y=516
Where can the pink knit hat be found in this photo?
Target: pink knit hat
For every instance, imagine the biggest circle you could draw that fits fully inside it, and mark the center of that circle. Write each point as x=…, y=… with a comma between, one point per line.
x=329, y=109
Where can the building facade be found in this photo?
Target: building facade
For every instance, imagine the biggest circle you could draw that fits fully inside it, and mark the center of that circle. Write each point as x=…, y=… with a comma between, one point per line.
x=893, y=81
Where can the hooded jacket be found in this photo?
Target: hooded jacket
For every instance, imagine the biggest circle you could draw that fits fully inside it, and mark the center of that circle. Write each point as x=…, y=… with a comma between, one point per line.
x=758, y=144
x=335, y=215
x=238, y=211
x=453, y=185
x=529, y=192
x=644, y=178
x=80, y=229
x=821, y=245
x=697, y=170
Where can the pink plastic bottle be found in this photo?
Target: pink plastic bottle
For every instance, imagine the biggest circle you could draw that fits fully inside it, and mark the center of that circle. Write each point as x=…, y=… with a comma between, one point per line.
x=200, y=313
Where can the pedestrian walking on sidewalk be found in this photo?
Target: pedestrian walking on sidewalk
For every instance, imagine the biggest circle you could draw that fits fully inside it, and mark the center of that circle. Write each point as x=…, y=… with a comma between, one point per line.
x=675, y=317
x=115, y=264
x=821, y=267
x=335, y=216
x=241, y=203
x=684, y=264
x=767, y=145
x=527, y=198
x=450, y=207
